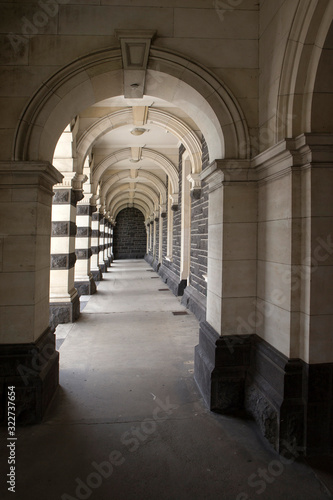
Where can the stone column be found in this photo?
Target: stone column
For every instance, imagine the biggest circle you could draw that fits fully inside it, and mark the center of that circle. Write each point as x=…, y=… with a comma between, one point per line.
x=147, y=232
x=95, y=237
x=108, y=244
x=64, y=299
x=151, y=233
x=106, y=241
x=222, y=353
x=111, y=239
x=154, y=233
x=156, y=229
x=102, y=264
x=266, y=346
x=84, y=281
x=161, y=227
x=28, y=357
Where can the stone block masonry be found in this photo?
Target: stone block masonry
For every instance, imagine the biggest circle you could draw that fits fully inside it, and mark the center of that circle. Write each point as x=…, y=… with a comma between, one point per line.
x=130, y=235
x=199, y=233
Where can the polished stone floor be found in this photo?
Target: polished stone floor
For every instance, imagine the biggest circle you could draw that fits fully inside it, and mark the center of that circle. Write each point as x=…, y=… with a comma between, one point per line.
x=128, y=422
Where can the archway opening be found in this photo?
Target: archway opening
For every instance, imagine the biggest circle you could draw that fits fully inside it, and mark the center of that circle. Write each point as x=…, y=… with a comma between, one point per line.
x=129, y=236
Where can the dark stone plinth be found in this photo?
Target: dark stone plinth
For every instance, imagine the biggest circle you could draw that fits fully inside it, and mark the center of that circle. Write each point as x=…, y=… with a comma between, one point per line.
x=195, y=302
x=149, y=258
x=291, y=401
x=65, y=312
x=220, y=369
x=103, y=268
x=156, y=265
x=176, y=286
x=33, y=369
x=274, y=396
x=85, y=287
x=318, y=382
x=97, y=275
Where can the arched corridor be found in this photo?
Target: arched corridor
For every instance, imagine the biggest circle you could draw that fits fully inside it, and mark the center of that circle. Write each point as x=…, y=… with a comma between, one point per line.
x=128, y=422
x=194, y=137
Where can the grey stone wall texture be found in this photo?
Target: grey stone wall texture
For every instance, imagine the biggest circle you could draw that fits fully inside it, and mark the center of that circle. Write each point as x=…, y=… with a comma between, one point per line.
x=199, y=232
x=130, y=235
x=174, y=266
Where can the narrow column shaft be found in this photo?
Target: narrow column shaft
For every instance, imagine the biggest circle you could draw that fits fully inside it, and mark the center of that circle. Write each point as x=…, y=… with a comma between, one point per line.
x=64, y=299
x=95, y=236
x=27, y=351
x=102, y=264
x=84, y=281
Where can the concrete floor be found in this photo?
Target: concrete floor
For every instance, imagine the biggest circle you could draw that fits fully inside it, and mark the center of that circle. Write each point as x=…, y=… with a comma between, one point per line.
x=128, y=422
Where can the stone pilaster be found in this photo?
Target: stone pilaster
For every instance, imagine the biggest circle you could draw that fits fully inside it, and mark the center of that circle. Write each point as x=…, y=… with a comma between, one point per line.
x=231, y=280
x=272, y=357
x=84, y=281
x=28, y=357
x=64, y=299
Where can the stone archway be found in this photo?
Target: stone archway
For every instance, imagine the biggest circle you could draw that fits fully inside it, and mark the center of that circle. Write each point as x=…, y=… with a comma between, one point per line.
x=99, y=76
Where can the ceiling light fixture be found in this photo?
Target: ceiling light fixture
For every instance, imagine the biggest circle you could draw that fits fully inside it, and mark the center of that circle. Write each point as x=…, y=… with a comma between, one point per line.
x=138, y=131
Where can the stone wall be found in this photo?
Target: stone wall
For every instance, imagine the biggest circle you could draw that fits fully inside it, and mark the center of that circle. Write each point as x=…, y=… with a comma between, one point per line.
x=174, y=266
x=129, y=235
x=199, y=233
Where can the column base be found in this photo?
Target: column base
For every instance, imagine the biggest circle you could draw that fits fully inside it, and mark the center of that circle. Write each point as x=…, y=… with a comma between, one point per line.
x=195, y=302
x=97, y=275
x=291, y=401
x=33, y=369
x=177, y=287
x=103, y=268
x=156, y=265
x=64, y=312
x=87, y=287
x=274, y=397
x=149, y=258
x=220, y=369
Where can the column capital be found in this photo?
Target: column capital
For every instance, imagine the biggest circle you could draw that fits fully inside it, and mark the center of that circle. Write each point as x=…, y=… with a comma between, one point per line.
x=195, y=181
x=33, y=172
x=72, y=180
x=163, y=210
x=174, y=201
x=228, y=170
